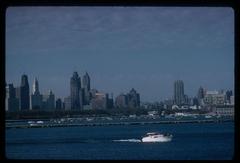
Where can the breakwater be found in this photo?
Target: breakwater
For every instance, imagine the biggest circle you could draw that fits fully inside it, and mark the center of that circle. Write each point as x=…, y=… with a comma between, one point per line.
x=43, y=125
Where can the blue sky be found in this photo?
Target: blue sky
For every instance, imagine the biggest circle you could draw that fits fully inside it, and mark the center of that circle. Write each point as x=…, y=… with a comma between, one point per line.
x=146, y=48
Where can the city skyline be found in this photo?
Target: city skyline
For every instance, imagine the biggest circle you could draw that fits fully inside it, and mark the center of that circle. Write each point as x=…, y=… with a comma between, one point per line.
x=122, y=48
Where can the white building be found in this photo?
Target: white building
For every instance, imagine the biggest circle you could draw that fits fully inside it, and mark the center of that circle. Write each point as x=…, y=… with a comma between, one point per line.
x=214, y=98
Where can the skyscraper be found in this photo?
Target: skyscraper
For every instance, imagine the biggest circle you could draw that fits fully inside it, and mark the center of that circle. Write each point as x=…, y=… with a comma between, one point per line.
x=75, y=89
x=133, y=99
x=59, y=104
x=12, y=103
x=48, y=101
x=179, y=92
x=200, y=93
x=36, y=97
x=86, y=89
x=200, y=96
x=24, y=93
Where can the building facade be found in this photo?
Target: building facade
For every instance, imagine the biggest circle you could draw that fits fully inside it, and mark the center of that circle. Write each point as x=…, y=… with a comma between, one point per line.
x=86, y=89
x=11, y=102
x=99, y=101
x=121, y=101
x=179, y=92
x=75, y=92
x=59, y=105
x=48, y=101
x=214, y=98
x=133, y=99
x=24, y=94
x=36, y=97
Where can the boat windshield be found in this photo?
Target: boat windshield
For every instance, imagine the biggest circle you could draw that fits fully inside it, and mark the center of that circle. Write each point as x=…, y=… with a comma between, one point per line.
x=152, y=133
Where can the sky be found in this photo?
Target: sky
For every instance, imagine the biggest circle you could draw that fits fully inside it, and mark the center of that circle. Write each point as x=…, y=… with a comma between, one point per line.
x=145, y=48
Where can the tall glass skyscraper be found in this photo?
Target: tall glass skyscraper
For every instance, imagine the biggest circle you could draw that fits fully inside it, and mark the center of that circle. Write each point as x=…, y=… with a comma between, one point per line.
x=179, y=92
x=75, y=89
x=86, y=89
x=24, y=93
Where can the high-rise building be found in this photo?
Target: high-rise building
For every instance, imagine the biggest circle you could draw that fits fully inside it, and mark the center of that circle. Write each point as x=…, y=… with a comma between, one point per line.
x=24, y=94
x=229, y=93
x=133, y=99
x=75, y=89
x=86, y=89
x=200, y=96
x=36, y=97
x=121, y=101
x=59, y=104
x=67, y=103
x=48, y=101
x=12, y=103
x=179, y=92
x=99, y=101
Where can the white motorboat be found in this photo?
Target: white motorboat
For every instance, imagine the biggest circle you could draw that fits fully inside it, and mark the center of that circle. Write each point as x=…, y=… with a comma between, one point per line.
x=156, y=137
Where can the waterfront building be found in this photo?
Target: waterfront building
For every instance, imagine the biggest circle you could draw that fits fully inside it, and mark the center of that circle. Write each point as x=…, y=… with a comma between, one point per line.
x=24, y=94
x=214, y=98
x=48, y=101
x=121, y=101
x=179, y=92
x=11, y=102
x=224, y=110
x=75, y=92
x=99, y=101
x=36, y=97
x=59, y=104
x=133, y=99
x=86, y=89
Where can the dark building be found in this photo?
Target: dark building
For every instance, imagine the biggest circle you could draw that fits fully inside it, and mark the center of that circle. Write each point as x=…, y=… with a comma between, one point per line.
x=59, y=104
x=48, y=101
x=86, y=89
x=110, y=102
x=12, y=103
x=76, y=93
x=195, y=101
x=133, y=99
x=200, y=94
x=179, y=97
x=229, y=93
x=36, y=97
x=24, y=94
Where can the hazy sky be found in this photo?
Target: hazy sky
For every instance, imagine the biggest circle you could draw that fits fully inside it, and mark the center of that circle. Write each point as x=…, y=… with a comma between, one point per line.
x=145, y=48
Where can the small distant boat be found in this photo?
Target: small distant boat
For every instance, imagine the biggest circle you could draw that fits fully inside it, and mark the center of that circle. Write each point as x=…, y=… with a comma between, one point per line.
x=156, y=137
x=208, y=116
x=39, y=122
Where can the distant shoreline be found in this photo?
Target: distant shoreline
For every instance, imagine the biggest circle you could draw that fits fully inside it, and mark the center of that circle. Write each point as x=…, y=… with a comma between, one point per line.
x=118, y=123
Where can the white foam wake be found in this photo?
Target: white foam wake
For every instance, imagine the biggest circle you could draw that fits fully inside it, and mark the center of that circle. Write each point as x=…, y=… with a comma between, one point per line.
x=128, y=140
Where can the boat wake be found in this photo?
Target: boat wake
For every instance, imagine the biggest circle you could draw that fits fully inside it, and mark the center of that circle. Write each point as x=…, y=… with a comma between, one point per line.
x=128, y=140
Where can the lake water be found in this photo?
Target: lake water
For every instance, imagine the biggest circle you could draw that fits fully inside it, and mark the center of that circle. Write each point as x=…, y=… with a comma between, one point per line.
x=191, y=141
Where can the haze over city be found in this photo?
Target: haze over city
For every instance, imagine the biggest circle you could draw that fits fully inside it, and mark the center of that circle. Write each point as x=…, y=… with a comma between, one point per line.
x=145, y=48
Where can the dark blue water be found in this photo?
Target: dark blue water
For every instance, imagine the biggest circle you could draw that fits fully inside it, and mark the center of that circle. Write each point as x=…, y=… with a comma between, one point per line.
x=190, y=142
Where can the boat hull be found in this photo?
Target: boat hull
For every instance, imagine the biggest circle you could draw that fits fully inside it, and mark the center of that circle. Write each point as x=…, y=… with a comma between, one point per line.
x=157, y=139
